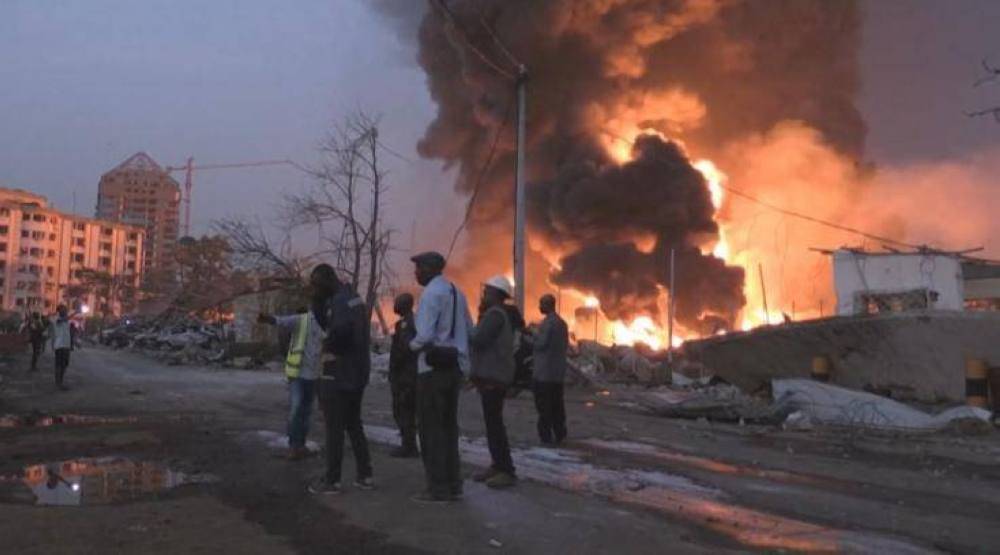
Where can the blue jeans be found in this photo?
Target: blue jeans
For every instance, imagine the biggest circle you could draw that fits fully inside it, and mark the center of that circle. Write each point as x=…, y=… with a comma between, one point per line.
x=301, y=394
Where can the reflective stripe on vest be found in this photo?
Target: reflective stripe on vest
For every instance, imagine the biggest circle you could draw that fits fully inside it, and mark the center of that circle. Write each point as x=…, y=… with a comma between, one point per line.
x=293, y=363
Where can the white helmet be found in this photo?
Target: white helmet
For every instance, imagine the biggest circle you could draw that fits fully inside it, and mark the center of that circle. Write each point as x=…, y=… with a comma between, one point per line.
x=501, y=283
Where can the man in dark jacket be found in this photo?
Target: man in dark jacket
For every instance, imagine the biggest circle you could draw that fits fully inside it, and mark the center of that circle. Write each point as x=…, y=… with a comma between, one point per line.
x=36, y=328
x=346, y=367
x=403, y=378
x=491, y=347
x=551, y=342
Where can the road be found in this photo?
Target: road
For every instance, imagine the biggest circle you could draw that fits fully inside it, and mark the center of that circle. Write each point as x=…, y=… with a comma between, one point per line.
x=625, y=482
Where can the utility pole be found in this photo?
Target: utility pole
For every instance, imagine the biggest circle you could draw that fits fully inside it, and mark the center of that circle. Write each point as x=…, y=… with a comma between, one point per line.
x=189, y=169
x=763, y=293
x=670, y=311
x=519, y=211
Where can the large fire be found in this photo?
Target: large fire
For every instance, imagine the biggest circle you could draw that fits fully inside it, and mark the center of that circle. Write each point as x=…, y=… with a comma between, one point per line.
x=644, y=329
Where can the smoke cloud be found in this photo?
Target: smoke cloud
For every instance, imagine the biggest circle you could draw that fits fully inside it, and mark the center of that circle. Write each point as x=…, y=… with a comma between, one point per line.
x=622, y=96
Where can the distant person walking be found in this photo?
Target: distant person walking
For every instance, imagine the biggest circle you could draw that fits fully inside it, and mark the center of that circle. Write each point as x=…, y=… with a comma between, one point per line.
x=346, y=368
x=302, y=369
x=63, y=341
x=442, y=323
x=551, y=343
x=403, y=377
x=36, y=326
x=491, y=346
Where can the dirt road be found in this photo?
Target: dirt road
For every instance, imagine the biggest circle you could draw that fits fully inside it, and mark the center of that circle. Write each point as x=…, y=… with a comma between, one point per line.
x=142, y=458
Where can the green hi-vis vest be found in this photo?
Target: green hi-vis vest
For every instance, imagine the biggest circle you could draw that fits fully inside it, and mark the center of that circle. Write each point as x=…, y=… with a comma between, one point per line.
x=293, y=363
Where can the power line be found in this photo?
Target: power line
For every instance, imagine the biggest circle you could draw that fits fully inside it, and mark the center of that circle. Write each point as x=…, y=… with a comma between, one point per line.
x=453, y=23
x=479, y=180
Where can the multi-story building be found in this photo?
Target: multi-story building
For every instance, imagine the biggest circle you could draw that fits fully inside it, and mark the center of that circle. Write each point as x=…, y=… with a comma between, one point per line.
x=44, y=253
x=140, y=192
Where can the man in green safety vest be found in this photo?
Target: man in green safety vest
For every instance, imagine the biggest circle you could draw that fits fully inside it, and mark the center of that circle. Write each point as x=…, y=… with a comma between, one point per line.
x=302, y=370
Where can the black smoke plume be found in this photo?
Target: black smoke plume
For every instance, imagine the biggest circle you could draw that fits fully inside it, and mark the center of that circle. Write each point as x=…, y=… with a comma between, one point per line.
x=703, y=73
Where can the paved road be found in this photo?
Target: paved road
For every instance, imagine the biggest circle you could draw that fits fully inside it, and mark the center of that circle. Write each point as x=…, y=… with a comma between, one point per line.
x=625, y=483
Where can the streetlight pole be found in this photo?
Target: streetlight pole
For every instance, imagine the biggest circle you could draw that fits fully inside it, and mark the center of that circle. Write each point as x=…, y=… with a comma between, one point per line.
x=519, y=200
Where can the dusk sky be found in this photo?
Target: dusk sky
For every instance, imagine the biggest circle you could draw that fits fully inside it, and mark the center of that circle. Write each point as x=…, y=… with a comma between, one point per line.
x=85, y=84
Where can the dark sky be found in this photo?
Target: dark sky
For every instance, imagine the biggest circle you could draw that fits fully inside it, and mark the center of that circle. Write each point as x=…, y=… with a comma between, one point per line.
x=83, y=85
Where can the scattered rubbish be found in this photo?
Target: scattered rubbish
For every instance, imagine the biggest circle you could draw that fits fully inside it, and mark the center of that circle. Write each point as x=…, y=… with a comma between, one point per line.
x=42, y=420
x=496, y=543
x=718, y=403
x=833, y=405
x=98, y=481
x=275, y=440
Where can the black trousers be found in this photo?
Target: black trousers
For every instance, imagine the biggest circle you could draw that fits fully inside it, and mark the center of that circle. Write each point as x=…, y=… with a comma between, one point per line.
x=404, y=409
x=437, y=403
x=36, y=351
x=62, y=362
x=496, y=433
x=342, y=413
x=551, y=411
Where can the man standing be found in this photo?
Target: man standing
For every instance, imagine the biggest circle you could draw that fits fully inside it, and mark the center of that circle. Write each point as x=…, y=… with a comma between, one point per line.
x=551, y=342
x=442, y=323
x=302, y=368
x=403, y=377
x=491, y=345
x=36, y=328
x=63, y=341
x=346, y=368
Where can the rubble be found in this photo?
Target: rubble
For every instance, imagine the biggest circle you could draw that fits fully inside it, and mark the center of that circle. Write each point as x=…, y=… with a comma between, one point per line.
x=182, y=341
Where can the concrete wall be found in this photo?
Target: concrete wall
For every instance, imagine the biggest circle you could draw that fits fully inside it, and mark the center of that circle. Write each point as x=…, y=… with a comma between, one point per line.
x=919, y=355
x=855, y=274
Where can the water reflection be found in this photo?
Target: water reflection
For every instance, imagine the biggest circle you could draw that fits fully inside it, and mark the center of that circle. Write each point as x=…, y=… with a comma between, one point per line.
x=98, y=481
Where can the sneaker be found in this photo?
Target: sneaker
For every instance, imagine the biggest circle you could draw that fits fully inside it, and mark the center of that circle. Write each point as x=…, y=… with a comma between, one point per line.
x=429, y=498
x=324, y=487
x=404, y=453
x=501, y=480
x=485, y=475
x=366, y=484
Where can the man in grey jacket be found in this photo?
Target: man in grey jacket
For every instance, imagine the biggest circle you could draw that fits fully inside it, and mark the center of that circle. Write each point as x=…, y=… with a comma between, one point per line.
x=551, y=343
x=491, y=347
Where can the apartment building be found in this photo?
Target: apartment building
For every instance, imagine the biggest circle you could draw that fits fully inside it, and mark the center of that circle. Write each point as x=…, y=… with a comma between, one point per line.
x=43, y=250
x=140, y=192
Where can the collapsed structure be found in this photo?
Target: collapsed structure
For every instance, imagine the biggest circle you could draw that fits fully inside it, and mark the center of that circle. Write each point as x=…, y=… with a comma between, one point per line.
x=905, y=324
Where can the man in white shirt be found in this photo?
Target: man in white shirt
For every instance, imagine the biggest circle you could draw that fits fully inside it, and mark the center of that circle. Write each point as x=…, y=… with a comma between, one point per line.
x=442, y=339
x=63, y=341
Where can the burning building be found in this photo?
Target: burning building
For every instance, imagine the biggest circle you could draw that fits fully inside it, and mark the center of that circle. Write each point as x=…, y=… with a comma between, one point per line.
x=643, y=116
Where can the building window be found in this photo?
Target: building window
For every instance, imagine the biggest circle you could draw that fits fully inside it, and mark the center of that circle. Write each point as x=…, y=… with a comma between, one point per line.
x=52, y=236
x=4, y=211
x=19, y=302
x=106, y=231
x=80, y=242
x=106, y=247
x=25, y=216
x=3, y=247
x=38, y=235
x=133, y=236
x=50, y=271
x=133, y=250
x=105, y=261
x=131, y=265
x=35, y=252
x=25, y=234
x=4, y=230
x=78, y=257
x=79, y=226
x=38, y=218
x=52, y=220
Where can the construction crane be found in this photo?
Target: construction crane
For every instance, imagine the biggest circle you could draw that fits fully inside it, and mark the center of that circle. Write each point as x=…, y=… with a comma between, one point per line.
x=189, y=168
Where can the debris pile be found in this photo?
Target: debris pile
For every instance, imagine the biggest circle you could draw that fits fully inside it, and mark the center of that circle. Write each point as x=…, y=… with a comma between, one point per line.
x=179, y=341
x=620, y=363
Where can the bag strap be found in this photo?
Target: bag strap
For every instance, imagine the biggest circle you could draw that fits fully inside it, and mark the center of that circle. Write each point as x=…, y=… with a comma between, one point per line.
x=454, y=311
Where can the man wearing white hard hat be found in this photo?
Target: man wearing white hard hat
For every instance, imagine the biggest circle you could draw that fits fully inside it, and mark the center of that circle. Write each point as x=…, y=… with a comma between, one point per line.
x=491, y=348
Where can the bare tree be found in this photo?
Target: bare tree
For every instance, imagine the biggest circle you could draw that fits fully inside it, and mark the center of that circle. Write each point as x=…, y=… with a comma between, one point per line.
x=255, y=253
x=990, y=74
x=345, y=207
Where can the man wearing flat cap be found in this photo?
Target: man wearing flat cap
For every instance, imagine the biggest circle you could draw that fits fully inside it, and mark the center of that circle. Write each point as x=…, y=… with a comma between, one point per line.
x=442, y=339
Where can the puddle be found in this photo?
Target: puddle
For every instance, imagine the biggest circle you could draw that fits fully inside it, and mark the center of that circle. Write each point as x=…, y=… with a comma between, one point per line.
x=40, y=420
x=98, y=481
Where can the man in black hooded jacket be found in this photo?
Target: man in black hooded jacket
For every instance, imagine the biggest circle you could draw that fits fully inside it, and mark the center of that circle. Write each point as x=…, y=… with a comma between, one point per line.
x=346, y=368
